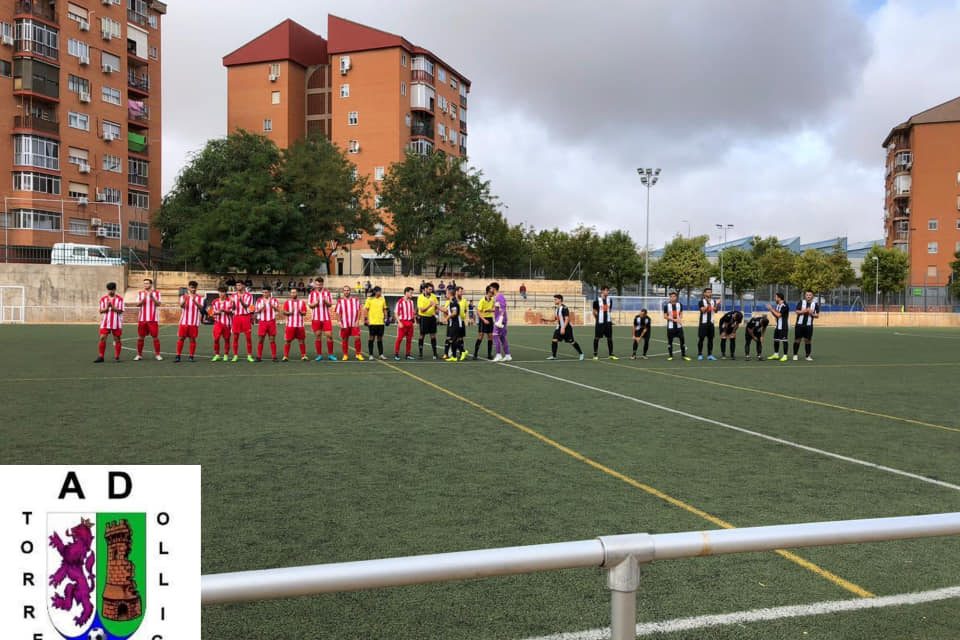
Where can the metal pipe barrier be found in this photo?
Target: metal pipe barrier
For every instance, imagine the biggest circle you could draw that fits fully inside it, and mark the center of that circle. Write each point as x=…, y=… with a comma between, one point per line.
x=621, y=555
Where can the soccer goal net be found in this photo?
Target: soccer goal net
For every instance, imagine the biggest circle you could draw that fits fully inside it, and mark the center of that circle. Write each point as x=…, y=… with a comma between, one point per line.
x=624, y=308
x=12, y=303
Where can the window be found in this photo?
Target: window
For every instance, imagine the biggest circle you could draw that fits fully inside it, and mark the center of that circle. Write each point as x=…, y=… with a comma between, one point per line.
x=932, y=224
x=111, y=130
x=78, y=121
x=344, y=64
x=932, y=247
x=378, y=173
x=441, y=74
x=267, y=124
x=443, y=103
x=344, y=90
x=453, y=83
x=403, y=59
x=109, y=194
x=154, y=53
x=37, y=38
x=958, y=224
x=403, y=88
x=6, y=69
x=441, y=132
x=36, y=220
x=408, y=120
x=78, y=84
x=274, y=97
x=76, y=12
x=110, y=28
x=138, y=231
x=36, y=151
x=77, y=156
x=378, y=202
x=78, y=49
x=353, y=118
x=77, y=190
x=38, y=182
x=353, y=146
x=111, y=95
x=113, y=229
x=453, y=111
x=453, y=136
x=958, y=203
x=137, y=171
x=138, y=199
x=378, y=228
x=109, y=61
x=421, y=147
x=153, y=21
x=422, y=64
x=932, y=271
x=112, y=163
x=275, y=69
x=901, y=185
x=79, y=227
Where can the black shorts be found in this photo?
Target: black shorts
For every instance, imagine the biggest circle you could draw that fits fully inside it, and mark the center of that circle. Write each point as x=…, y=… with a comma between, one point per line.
x=566, y=337
x=603, y=330
x=485, y=327
x=455, y=331
x=751, y=338
x=706, y=330
x=376, y=330
x=781, y=335
x=675, y=333
x=428, y=325
x=728, y=330
x=645, y=338
x=803, y=332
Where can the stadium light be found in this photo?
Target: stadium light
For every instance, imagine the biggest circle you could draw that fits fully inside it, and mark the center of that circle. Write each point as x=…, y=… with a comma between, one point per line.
x=648, y=177
x=723, y=234
x=876, y=283
x=688, y=227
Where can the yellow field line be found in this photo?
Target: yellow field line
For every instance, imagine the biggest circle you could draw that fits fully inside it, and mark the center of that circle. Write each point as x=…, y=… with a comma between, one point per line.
x=774, y=394
x=189, y=377
x=689, y=508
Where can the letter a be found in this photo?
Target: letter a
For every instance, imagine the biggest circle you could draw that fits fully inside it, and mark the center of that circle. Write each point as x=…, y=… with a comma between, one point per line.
x=71, y=485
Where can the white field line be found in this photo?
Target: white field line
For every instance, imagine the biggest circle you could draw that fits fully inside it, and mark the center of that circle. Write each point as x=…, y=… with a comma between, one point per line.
x=756, y=434
x=759, y=615
x=923, y=335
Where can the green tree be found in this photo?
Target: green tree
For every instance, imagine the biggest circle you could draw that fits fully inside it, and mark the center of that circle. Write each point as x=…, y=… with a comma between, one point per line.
x=892, y=266
x=954, y=276
x=775, y=263
x=683, y=265
x=740, y=271
x=843, y=273
x=619, y=260
x=319, y=181
x=226, y=211
x=813, y=271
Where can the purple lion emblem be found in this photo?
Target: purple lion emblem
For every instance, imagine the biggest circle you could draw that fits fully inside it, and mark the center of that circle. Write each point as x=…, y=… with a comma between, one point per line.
x=77, y=568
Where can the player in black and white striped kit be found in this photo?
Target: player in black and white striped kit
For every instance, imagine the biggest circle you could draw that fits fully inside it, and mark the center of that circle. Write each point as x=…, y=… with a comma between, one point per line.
x=564, y=330
x=673, y=314
x=603, y=323
x=781, y=330
x=807, y=311
x=706, y=330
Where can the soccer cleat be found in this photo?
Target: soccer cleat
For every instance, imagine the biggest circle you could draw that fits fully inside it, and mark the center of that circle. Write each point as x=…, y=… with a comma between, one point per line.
x=383, y=357
x=215, y=358
x=463, y=356
x=795, y=358
x=551, y=357
x=783, y=359
x=286, y=359
x=633, y=357
x=686, y=358
x=596, y=357
x=137, y=357
x=191, y=359
x=723, y=356
x=318, y=359
x=669, y=358
x=434, y=357
x=98, y=360
x=507, y=358
x=711, y=358
x=304, y=358
x=345, y=358
x=700, y=357
x=410, y=357
x=158, y=357
x=234, y=358
x=582, y=357
x=332, y=358
x=176, y=359
x=774, y=357
x=747, y=357
x=397, y=357
x=613, y=357
x=808, y=359
x=497, y=358
x=360, y=357
x=249, y=358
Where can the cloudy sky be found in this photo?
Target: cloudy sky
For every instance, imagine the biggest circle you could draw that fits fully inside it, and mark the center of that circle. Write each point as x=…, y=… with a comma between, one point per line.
x=765, y=115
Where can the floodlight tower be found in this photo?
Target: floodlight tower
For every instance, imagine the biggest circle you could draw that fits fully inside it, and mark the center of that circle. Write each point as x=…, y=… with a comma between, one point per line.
x=723, y=234
x=648, y=177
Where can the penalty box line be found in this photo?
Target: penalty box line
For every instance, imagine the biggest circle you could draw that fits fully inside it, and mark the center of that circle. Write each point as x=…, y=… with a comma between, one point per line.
x=653, y=491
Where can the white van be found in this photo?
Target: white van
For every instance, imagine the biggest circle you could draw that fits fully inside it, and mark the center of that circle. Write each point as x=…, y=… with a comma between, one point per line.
x=84, y=254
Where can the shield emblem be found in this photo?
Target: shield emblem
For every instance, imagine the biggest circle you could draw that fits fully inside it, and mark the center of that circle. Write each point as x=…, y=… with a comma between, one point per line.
x=71, y=575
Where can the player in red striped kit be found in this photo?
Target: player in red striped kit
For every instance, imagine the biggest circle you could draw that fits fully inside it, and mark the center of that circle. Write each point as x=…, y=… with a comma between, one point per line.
x=111, y=322
x=320, y=300
x=242, y=309
x=266, y=308
x=406, y=314
x=296, y=311
x=148, y=319
x=349, y=317
x=222, y=311
x=190, y=306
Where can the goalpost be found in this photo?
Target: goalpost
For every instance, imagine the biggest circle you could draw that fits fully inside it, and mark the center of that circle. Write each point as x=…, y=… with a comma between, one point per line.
x=625, y=307
x=13, y=300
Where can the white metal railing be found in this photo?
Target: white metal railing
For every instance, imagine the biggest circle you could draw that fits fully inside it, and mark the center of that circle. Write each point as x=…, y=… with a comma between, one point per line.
x=620, y=555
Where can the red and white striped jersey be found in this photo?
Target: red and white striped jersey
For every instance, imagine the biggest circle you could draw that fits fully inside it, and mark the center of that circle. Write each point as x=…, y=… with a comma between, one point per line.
x=113, y=318
x=242, y=303
x=149, y=303
x=190, y=311
x=321, y=298
x=348, y=311
x=405, y=310
x=222, y=311
x=267, y=309
x=297, y=310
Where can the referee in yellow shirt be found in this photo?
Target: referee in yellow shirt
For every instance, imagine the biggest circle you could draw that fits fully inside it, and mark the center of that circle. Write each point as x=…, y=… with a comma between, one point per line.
x=375, y=316
x=427, y=315
x=485, y=323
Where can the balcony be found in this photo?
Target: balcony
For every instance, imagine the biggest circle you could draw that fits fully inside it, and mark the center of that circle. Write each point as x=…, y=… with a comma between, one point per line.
x=138, y=82
x=137, y=143
x=427, y=105
x=463, y=101
x=463, y=127
x=37, y=48
x=36, y=124
x=422, y=76
x=36, y=8
x=140, y=181
x=136, y=18
x=901, y=213
x=463, y=150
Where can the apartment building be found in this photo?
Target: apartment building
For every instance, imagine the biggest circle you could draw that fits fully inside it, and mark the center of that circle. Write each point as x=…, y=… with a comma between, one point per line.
x=372, y=93
x=83, y=107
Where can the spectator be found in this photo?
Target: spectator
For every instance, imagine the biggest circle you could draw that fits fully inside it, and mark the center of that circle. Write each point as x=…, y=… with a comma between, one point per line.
x=291, y=285
x=359, y=288
x=231, y=282
x=278, y=285
x=248, y=283
x=423, y=284
x=301, y=286
x=266, y=285
x=523, y=290
x=367, y=288
x=452, y=285
x=441, y=288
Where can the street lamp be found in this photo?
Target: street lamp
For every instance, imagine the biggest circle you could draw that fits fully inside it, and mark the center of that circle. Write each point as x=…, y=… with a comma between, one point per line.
x=688, y=227
x=723, y=234
x=876, y=283
x=648, y=177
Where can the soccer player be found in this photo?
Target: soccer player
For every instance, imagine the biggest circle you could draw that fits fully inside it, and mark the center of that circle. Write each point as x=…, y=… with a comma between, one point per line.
x=427, y=305
x=190, y=305
x=320, y=301
x=673, y=314
x=706, y=330
x=641, y=333
x=464, y=321
x=406, y=316
x=445, y=318
x=754, y=333
x=148, y=319
x=603, y=323
x=485, y=323
x=295, y=311
x=807, y=311
x=729, y=325
x=242, y=308
x=266, y=308
x=111, y=322
x=348, y=312
x=781, y=331
x=221, y=310
x=454, y=326
x=500, y=344
x=564, y=330
x=375, y=317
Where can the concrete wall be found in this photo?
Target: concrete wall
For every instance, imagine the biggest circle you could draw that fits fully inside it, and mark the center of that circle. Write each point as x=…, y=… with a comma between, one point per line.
x=61, y=293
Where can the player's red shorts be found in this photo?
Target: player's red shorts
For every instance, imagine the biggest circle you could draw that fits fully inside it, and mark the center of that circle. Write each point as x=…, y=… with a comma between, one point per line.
x=267, y=328
x=116, y=332
x=326, y=326
x=186, y=331
x=405, y=329
x=241, y=324
x=145, y=329
x=221, y=330
x=346, y=332
x=294, y=333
